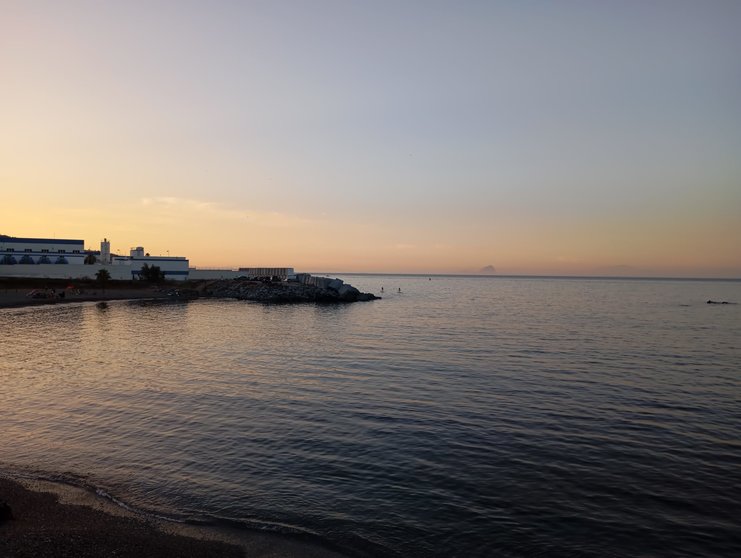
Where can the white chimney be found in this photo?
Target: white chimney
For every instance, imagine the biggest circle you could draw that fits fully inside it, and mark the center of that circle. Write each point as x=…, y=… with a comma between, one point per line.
x=105, y=252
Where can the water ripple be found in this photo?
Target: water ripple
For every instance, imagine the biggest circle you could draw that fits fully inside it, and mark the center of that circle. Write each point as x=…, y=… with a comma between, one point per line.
x=466, y=417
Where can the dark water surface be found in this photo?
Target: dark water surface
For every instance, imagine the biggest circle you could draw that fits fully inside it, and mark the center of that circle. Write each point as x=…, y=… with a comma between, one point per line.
x=460, y=417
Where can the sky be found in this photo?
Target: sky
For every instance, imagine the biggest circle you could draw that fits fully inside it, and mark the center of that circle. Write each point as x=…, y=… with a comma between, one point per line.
x=536, y=137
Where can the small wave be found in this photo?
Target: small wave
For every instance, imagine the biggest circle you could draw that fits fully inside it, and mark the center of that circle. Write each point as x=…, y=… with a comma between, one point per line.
x=76, y=489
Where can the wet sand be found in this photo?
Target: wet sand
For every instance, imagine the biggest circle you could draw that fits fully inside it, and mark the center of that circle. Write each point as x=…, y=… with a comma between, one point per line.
x=10, y=298
x=53, y=520
x=42, y=527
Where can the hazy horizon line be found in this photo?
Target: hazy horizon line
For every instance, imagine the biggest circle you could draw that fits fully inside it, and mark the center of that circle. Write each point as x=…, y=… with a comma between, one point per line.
x=527, y=276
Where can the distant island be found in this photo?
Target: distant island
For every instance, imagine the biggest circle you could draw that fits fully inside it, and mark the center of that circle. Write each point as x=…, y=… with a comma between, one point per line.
x=487, y=270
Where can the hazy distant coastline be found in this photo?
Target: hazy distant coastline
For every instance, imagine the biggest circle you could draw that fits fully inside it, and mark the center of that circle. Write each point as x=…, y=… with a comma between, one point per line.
x=515, y=276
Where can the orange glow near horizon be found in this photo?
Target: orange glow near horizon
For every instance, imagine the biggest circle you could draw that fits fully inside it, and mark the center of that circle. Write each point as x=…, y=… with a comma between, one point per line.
x=215, y=236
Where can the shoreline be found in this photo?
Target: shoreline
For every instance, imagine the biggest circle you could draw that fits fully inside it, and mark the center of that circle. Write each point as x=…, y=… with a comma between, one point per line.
x=45, y=527
x=331, y=291
x=54, y=519
x=17, y=298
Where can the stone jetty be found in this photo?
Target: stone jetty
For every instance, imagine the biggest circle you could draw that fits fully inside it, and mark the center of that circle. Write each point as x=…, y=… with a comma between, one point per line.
x=305, y=288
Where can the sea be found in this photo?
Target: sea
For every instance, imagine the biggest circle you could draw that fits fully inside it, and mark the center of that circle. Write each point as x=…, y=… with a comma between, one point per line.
x=457, y=416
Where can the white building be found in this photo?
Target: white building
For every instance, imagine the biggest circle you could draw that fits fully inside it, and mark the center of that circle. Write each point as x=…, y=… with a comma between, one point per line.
x=43, y=251
x=68, y=259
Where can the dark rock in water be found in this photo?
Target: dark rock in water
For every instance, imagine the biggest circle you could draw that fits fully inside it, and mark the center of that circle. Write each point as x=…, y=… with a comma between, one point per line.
x=5, y=512
x=102, y=305
x=183, y=294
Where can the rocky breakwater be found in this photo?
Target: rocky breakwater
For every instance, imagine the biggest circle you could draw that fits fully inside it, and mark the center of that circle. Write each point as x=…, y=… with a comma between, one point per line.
x=306, y=289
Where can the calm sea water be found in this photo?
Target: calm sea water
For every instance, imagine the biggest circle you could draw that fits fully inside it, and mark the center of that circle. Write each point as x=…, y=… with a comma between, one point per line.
x=461, y=417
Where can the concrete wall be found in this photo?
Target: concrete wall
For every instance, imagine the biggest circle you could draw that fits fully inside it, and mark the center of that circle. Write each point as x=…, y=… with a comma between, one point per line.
x=320, y=282
x=74, y=271
x=249, y=272
x=174, y=267
x=194, y=273
x=283, y=272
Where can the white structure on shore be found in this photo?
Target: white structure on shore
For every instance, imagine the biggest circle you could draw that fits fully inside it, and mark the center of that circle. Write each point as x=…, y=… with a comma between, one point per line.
x=52, y=258
x=282, y=273
x=68, y=259
x=41, y=251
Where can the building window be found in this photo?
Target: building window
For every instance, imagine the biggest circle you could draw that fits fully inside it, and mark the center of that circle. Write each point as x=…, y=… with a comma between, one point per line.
x=45, y=250
x=63, y=251
x=75, y=251
x=11, y=249
x=28, y=250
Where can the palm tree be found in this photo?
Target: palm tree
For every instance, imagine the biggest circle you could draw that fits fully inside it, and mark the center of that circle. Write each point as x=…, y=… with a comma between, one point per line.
x=151, y=274
x=102, y=277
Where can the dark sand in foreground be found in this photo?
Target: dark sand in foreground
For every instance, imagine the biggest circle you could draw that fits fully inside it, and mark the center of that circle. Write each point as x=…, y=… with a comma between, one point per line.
x=42, y=527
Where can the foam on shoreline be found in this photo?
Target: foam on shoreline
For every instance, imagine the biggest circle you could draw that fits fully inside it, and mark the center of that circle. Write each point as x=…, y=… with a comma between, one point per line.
x=54, y=514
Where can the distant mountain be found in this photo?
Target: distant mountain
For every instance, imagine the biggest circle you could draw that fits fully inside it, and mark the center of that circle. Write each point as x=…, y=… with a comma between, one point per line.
x=487, y=270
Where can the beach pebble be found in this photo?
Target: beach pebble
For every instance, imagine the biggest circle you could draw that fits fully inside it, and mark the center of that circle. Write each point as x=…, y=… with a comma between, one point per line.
x=5, y=511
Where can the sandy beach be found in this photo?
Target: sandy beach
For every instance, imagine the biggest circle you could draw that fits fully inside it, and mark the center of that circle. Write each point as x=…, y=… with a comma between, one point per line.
x=42, y=527
x=53, y=520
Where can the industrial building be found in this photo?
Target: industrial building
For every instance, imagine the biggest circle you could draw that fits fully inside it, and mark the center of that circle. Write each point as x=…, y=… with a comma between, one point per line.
x=68, y=259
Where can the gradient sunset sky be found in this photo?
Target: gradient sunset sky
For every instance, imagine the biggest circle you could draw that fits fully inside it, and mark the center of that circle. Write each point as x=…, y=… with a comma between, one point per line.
x=539, y=137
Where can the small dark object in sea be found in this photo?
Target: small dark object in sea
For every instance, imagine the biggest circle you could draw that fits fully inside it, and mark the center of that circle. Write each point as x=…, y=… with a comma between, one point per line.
x=720, y=302
x=102, y=305
x=183, y=294
x=5, y=511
